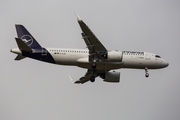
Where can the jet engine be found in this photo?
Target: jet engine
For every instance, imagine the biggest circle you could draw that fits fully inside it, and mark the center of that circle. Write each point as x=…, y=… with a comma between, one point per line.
x=111, y=76
x=115, y=56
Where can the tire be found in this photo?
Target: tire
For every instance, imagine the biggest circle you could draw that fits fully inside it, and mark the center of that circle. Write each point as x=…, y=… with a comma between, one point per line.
x=147, y=75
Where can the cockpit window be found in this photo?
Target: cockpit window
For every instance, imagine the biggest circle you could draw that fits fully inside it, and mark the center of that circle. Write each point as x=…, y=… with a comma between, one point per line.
x=157, y=56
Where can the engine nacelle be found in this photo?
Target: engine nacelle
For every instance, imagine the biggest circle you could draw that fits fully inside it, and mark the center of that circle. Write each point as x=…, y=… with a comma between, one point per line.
x=115, y=56
x=112, y=77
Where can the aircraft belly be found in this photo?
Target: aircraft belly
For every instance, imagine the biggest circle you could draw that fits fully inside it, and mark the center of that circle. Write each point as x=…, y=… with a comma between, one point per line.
x=101, y=65
x=109, y=65
x=64, y=60
x=67, y=59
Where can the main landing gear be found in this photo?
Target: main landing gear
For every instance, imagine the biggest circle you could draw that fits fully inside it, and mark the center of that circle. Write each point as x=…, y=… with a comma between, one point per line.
x=94, y=64
x=146, y=72
x=92, y=78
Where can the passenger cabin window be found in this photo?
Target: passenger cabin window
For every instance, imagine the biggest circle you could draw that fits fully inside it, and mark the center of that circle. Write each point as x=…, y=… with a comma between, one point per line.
x=157, y=56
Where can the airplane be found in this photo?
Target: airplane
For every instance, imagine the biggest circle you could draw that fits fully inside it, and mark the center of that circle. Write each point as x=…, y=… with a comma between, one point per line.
x=99, y=61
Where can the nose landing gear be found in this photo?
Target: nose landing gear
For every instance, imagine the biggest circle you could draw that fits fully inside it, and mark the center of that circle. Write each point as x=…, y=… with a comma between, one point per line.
x=146, y=72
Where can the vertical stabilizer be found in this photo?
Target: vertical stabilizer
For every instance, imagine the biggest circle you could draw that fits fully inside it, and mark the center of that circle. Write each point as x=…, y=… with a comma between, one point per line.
x=26, y=37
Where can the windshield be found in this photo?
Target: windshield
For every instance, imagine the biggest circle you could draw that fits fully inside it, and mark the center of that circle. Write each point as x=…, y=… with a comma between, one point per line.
x=157, y=56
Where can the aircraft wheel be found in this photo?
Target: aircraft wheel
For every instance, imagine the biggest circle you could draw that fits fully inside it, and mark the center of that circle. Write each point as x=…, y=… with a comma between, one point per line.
x=92, y=78
x=147, y=75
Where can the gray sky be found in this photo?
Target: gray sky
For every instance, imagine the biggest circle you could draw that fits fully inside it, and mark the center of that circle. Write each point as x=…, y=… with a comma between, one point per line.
x=33, y=90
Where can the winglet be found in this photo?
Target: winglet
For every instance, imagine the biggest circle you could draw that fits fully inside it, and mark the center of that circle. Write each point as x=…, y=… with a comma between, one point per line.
x=78, y=18
x=71, y=79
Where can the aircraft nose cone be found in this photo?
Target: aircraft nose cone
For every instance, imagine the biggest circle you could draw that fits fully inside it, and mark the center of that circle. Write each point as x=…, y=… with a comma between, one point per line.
x=165, y=64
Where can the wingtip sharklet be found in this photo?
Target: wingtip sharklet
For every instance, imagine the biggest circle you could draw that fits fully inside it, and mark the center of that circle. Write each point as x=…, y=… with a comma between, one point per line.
x=71, y=79
x=78, y=18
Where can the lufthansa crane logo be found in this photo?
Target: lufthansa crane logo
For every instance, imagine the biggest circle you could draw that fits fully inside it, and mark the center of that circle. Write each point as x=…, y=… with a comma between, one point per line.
x=27, y=39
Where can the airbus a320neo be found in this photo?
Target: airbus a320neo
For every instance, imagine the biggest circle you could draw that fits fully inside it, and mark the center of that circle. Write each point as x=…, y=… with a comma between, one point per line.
x=97, y=59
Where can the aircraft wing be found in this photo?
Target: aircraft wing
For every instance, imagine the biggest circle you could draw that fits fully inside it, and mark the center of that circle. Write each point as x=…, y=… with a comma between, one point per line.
x=93, y=44
x=86, y=77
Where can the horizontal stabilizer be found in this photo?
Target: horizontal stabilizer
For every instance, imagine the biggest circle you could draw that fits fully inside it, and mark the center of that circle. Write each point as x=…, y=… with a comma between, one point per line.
x=19, y=57
x=22, y=46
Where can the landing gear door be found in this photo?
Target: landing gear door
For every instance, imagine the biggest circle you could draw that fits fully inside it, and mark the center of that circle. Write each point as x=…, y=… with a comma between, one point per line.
x=147, y=56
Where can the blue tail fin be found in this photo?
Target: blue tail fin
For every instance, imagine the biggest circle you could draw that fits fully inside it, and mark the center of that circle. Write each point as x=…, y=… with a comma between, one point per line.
x=26, y=37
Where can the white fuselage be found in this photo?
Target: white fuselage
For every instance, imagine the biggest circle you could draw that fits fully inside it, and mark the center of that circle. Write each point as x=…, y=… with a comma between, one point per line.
x=80, y=58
